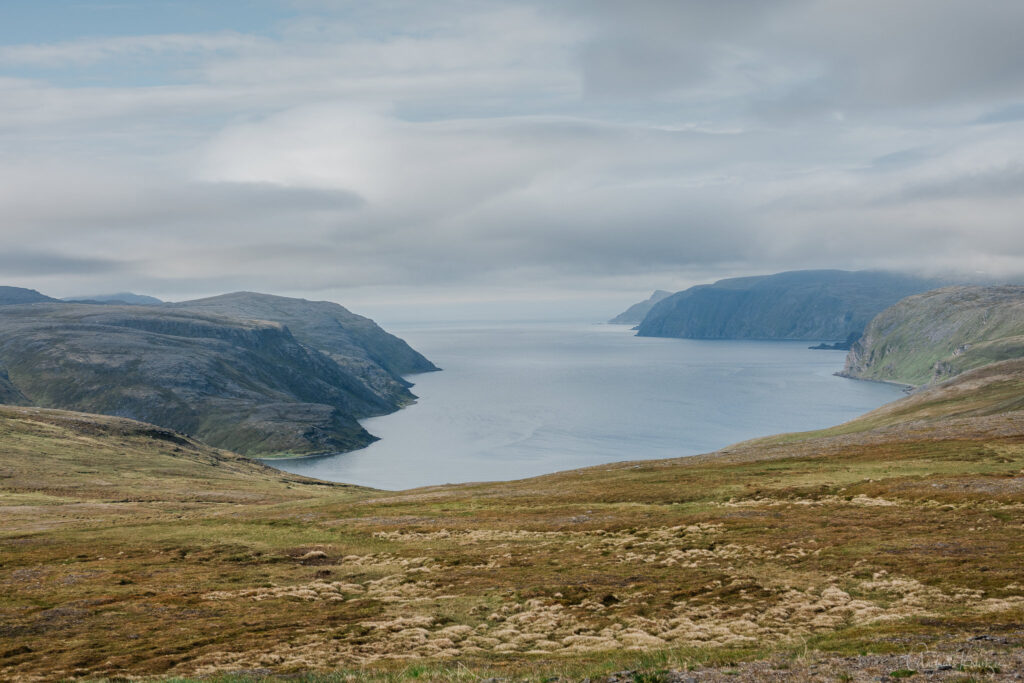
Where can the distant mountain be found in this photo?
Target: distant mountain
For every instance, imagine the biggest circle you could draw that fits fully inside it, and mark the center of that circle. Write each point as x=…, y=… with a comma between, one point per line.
x=354, y=342
x=635, y=313
x=20, y=295
x=244, y=383
x=802, y=305
x=931, y=337
x=119, y=298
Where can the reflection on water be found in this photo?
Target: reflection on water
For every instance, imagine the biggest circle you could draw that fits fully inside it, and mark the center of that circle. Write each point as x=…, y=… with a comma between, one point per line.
x=518, y=400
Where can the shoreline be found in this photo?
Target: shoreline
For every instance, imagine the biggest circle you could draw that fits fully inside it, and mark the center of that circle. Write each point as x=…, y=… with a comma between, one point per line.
x=324, y=464
x=308, y=456
x=907, y=388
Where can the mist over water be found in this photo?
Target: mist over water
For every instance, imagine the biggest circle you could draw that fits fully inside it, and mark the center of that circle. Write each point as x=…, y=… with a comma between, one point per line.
x=521, y=399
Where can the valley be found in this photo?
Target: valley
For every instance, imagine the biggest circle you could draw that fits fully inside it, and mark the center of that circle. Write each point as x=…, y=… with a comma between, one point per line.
x=890, y=543
x=780, y=550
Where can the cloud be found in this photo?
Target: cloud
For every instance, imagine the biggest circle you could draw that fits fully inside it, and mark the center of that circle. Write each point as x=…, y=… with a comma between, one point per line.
x=782, y=63
x=451, y=147
x=91, y=51
x=68, y=201
x=916, y=53
x=17, y=263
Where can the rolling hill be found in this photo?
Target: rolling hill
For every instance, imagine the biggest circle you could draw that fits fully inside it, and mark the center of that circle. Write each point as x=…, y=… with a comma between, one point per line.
x=229, y=375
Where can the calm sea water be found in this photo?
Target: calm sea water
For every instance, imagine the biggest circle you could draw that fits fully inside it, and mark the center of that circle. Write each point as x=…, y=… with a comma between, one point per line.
x=518, y=400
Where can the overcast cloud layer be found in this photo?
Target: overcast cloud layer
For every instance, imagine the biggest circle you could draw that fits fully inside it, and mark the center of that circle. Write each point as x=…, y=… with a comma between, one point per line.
x=422, y=153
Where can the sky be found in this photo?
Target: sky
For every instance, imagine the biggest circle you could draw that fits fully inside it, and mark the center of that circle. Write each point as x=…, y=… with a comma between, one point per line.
x=515, y=158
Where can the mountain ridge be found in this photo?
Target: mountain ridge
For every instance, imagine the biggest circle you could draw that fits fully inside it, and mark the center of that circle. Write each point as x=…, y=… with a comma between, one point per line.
x=806, y=305
x=128, y=298
x=21, y=295
x=243, y=383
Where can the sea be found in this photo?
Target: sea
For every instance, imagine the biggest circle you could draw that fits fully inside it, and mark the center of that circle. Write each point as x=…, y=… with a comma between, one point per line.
x=516, y=400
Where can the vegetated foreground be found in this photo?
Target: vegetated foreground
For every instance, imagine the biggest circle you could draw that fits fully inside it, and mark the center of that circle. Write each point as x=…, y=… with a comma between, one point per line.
x=888, y=545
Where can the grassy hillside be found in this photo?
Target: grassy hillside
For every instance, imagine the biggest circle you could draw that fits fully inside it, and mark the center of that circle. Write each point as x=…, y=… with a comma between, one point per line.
x=933, y=336
x=774, y=558
x=805, y=304
x=53, y=458
x=245, y=385
x=240, y=381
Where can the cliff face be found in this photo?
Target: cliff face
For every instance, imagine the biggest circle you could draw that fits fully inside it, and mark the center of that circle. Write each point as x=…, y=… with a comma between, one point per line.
x=635, y=313
x=246, y=385
x=802, y=305
x=931, y=337
x=354, y=342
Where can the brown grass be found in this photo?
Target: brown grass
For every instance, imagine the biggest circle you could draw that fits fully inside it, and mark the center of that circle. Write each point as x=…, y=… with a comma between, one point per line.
x=129, y=553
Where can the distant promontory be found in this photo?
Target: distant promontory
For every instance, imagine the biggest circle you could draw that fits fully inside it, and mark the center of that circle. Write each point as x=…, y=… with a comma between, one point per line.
x=796, y=305
x=635, y=313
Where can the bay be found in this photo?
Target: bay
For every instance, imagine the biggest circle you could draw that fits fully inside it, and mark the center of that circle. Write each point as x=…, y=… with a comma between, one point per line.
x=516, y=400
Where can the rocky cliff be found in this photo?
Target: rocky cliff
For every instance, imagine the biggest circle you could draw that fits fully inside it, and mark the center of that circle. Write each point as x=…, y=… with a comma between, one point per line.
x=803, y=305
x=354, y=342
x=931, y=337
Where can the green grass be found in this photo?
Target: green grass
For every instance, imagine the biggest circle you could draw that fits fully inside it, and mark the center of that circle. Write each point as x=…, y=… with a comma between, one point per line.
x=939, y=334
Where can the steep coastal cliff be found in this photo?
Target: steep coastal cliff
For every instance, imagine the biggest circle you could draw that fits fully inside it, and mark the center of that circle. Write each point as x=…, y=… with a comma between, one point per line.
x=803, y=305
x=354, y=342
x=931, y=337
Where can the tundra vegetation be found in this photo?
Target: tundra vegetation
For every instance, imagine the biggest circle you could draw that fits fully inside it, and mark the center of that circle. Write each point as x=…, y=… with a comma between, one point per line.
x=887, y=546
x=933, y=336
